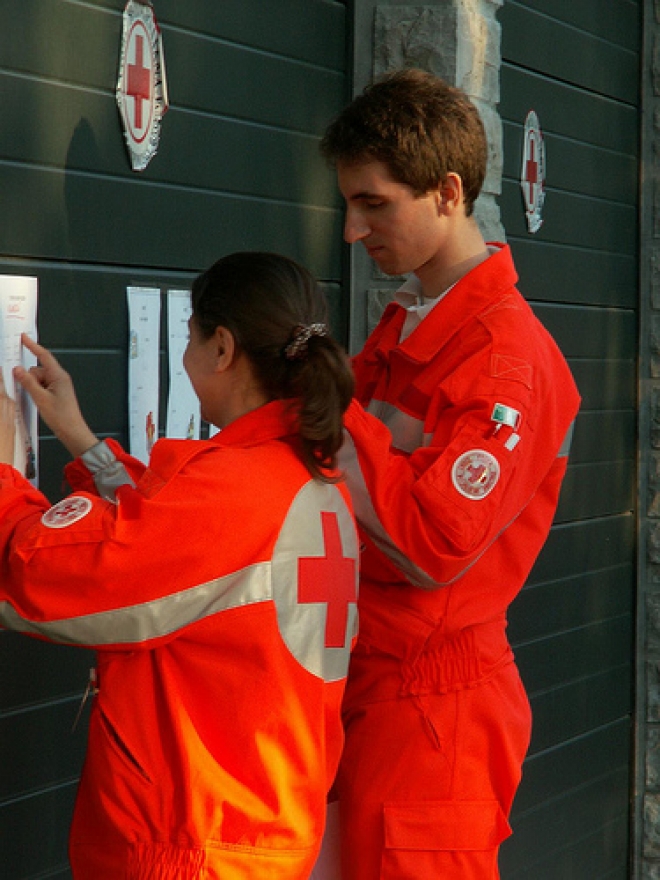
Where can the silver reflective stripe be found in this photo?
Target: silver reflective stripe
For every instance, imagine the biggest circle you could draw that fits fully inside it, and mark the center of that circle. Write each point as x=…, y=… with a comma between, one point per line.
x=108, y=473
x=318, y=531
x=151, y=620
x=568, y=439
x=407, y=432
x=368, y=518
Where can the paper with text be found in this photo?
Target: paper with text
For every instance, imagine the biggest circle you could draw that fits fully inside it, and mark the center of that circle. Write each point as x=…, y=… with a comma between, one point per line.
x=18, y=314
x=183, y=415
x=143, y=369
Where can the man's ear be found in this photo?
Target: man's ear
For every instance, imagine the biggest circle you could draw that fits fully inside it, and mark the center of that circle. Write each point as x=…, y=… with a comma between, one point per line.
x=225, y=348
x=450, y=193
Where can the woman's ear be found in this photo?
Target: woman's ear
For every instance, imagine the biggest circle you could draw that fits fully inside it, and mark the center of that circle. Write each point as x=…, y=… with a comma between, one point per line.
x=225, y=348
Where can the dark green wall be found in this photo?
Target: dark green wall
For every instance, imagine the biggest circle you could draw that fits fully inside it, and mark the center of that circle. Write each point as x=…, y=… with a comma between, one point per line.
x=577, y=66
x=252, y=86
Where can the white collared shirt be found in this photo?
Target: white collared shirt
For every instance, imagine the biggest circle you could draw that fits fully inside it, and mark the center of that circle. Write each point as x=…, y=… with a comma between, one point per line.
x=411, y=297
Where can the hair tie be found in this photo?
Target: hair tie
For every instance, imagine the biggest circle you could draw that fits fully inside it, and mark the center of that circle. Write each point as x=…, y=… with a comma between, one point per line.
x=297, y=348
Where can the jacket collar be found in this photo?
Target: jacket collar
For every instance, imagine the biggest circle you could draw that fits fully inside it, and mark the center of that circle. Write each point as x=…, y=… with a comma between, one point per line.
x=268, y=422
x=475, y=291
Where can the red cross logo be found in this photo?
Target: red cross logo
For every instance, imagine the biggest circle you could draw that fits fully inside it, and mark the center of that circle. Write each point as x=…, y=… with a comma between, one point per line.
x=532, y=169
x=67, y=512
x=329, y=579
x=138, y=84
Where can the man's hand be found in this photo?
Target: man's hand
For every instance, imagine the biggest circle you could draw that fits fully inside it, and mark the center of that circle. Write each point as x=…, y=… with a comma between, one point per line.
x=7, y=424
x=51, y=389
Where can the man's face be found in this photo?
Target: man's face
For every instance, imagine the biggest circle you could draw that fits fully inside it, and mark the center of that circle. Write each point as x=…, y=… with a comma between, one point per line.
x=400, y=231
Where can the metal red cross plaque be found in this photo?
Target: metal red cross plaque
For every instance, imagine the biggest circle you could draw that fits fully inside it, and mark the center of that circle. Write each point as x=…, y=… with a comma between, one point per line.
x=532, y=174
x=141, y=86
x=329, y=579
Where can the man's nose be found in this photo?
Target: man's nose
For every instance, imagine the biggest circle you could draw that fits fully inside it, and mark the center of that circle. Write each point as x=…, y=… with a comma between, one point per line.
x=355, y=227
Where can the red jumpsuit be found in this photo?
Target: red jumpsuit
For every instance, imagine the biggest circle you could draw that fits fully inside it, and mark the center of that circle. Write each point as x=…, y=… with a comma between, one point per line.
x=220, y=593
x=454, y=486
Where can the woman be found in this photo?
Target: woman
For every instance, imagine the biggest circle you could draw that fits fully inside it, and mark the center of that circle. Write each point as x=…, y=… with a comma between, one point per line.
x=218, y=586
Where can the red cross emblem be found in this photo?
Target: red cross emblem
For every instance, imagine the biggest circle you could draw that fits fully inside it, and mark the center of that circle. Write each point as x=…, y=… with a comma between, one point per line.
x=531, y=169
x=475, y=473
x=139, y=81
x=142, y=84
x=67, y=512
x=329, y=579
x=532, y=175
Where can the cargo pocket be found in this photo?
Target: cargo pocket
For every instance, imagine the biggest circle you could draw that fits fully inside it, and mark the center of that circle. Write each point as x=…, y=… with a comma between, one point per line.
x=420, y=836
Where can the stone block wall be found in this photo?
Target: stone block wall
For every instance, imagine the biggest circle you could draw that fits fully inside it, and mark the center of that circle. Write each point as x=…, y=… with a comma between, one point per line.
x=647, y=814
x=458, y=40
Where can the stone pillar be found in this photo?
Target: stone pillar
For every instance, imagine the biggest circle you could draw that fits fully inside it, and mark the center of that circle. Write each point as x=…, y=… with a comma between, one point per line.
x=647, y=801
x=458, y=40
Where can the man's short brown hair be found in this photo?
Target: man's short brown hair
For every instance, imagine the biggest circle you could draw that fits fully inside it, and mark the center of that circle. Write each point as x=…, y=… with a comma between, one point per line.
x=419, y=127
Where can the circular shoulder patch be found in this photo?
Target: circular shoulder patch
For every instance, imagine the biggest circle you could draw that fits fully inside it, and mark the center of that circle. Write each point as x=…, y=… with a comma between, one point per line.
x=475, y=474
x=67, y=512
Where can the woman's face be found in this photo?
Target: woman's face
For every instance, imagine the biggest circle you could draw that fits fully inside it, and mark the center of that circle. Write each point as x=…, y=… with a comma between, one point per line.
x=200, y=363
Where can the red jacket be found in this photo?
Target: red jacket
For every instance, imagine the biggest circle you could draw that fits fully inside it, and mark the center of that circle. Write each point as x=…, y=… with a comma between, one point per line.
x=455, y=484
x=220, y=592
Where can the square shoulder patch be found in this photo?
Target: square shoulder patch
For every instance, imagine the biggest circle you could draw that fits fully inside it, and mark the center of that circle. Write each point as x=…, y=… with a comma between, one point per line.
x=505, y=366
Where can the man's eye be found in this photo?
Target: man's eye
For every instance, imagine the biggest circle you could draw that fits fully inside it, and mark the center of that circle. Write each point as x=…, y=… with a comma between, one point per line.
x=375, y=204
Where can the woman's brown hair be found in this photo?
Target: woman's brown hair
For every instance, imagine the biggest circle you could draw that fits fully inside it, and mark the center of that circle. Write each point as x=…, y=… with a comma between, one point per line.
x=269, y=303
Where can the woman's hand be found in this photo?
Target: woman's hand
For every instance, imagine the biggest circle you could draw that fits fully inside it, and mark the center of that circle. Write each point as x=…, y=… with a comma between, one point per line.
x=52, y=391
x=7, y=424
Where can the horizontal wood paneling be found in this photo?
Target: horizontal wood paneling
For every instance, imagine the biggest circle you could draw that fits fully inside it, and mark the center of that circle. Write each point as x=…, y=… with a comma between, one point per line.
x=45, y=731
x=32, y=672
x=580, y=835
x=565, y=110
x=572, y=627
x=575, y=220
x=593, y=855
x=589, y=332
x=311, y=30
x=618, y=426
x=549, y=607
x=577, y=167
x=252, y=86
x=583, y=652
x=580, y=706
x=34, y=833
x=100, y=221
x=594, y=63
x=593, y=490
x=73, y=130
x=589, y=545
x=237, y=168
x=606, y=383
x=585, y=758
x=558, y=272
x=617, y=21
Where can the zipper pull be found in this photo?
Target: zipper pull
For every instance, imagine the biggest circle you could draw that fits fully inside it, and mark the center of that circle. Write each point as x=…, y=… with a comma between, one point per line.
x=90, y=690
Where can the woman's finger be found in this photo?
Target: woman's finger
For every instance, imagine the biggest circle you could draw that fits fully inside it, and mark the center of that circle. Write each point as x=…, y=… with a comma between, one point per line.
x=44, y=356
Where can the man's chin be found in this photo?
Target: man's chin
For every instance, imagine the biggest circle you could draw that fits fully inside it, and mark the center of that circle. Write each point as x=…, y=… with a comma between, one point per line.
x=387, y=266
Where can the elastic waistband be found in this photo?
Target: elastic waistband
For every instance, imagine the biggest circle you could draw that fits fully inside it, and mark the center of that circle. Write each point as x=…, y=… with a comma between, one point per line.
x=440, y=664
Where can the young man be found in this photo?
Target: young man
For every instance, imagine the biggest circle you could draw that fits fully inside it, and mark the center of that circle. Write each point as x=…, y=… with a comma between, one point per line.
x=454, y=457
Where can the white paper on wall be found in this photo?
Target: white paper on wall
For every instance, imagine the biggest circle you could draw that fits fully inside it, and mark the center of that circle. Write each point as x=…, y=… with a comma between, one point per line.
x=183, y=415
x=18, y=314
x=143, y=369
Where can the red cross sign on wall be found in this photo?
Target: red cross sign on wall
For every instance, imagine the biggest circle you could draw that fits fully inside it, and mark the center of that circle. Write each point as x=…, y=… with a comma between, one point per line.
x=138, y=86
x=532, y=174
x=329, y=579
x=142, y=85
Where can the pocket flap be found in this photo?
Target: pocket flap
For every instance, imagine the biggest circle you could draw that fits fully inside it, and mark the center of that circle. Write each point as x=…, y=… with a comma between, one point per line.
x=445, y=825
